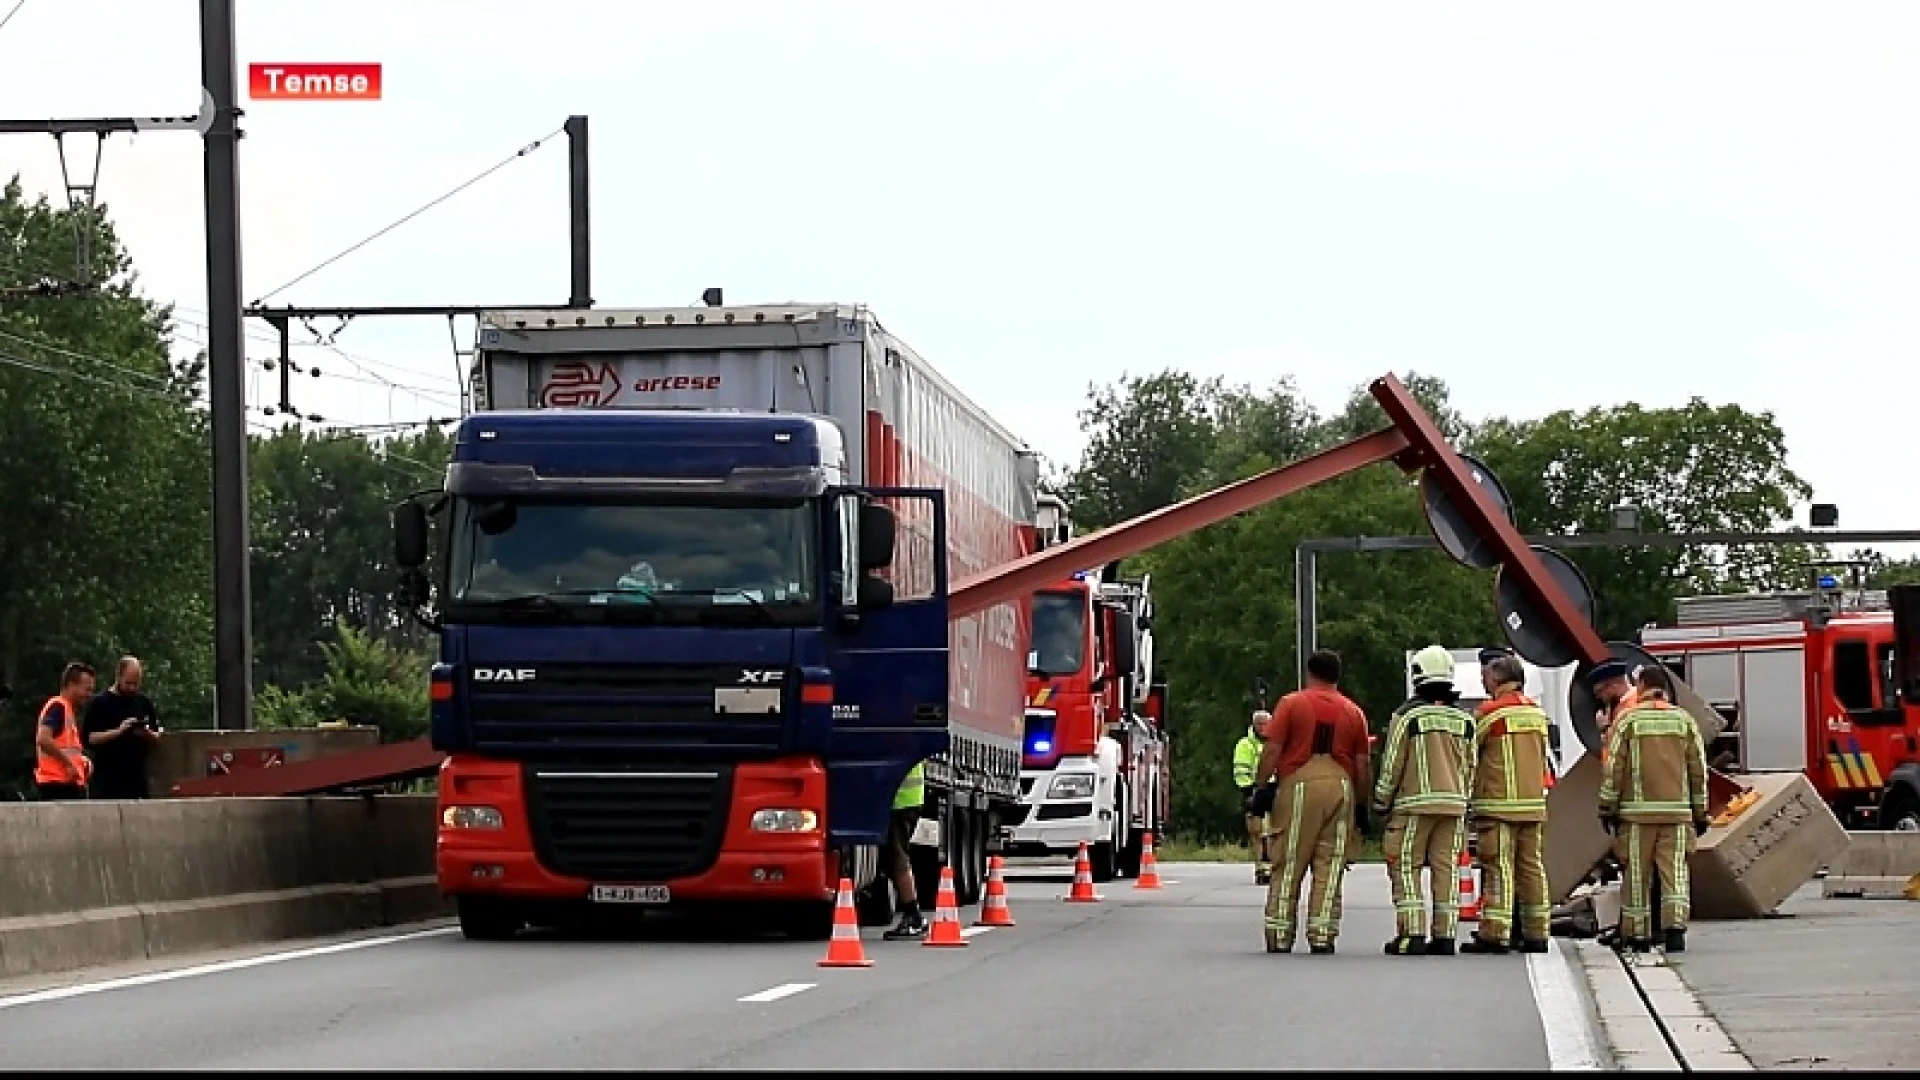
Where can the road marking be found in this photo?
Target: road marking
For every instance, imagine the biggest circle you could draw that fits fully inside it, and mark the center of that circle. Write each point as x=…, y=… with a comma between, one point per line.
x=61, y=993
x=778, y=992
x=976, y=931
x=1563, y=1011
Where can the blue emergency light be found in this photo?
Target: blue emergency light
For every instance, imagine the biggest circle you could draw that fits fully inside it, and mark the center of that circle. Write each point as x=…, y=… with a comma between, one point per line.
x=1828, y=581
x=1041, y=746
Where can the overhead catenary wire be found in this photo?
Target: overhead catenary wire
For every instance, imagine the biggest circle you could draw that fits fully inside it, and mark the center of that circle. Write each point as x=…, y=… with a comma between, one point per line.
x=8, y=17
x=503, y=163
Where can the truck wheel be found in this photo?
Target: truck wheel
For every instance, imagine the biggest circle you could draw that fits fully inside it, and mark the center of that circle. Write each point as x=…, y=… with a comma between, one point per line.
x=1105, y=861
x=1901, y=812
x=808, y=920
x=874, y=904
x=1131, y=855
x=969, y=858
x=484, y=918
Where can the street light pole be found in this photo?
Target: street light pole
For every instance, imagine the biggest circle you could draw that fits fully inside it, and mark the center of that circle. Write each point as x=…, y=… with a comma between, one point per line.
x=226, y=374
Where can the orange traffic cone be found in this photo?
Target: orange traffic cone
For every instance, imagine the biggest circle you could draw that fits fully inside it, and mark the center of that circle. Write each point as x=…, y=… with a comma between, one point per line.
x=993, y=909
x=844, y=948
x=1469, y=893
x=1149, y=870
x=946, y=915
x=1082, y=879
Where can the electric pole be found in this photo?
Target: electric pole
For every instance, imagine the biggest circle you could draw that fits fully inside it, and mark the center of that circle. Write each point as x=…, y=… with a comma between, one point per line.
x=226, y=374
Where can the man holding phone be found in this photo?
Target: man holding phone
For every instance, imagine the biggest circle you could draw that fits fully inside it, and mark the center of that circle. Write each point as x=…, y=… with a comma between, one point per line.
x=122, y=725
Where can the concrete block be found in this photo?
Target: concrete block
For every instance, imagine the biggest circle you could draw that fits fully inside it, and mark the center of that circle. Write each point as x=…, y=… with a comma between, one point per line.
x=1749, y=867
x=1575, y=841
x=89, y=884
x=1878, y=855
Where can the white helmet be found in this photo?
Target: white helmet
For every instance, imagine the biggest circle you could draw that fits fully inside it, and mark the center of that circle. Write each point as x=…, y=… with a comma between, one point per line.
x=1433, y=664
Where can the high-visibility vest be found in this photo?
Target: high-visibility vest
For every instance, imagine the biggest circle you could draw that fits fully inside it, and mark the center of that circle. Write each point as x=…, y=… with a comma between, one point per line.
x=913, y=790
x=47, y=769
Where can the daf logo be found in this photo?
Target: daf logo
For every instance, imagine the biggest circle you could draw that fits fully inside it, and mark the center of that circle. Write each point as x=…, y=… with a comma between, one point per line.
x=760, y=677
x=502, y=674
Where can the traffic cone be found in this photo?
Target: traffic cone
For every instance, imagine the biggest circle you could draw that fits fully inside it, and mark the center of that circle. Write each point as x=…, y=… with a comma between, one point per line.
x=844, y=948
x=946, y=916
x=1149, y=870
x=1469, y=893
x=993, y=909
x=1082, y=879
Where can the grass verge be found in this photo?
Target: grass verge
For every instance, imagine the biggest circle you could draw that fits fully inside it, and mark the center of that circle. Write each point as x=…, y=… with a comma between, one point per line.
x=1178, y=850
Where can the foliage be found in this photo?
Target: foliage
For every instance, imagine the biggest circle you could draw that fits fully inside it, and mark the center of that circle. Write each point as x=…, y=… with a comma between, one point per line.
x=367, y=681
x=104, y=543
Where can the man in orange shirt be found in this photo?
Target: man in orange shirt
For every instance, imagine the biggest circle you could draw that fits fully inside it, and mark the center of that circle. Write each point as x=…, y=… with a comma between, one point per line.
x=1315, y=776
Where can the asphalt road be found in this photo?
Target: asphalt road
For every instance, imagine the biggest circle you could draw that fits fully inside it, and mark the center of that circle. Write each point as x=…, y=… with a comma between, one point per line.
x=1174, y=979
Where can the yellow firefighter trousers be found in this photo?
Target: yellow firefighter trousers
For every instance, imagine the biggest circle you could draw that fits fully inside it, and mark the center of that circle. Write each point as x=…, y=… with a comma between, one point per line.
x=1645, y=850
x=1257, y=840
x=1414, y=842
x=1311, y=820
x=1513, y=872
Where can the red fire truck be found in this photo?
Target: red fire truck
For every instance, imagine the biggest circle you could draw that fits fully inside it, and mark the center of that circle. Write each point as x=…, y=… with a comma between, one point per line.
x=1095, y=765
x=1808, y=681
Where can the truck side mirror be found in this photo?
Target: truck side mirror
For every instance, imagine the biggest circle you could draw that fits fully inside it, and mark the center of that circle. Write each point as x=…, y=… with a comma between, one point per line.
x=410, y=535
x=874, y=594
x=877, y=528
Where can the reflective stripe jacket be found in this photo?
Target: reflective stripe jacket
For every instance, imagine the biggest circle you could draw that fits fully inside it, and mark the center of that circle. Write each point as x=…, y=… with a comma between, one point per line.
x=1510, y=759
x=1656, y=766
x=913, y=790
x=1246, y=757
x=1426, y=766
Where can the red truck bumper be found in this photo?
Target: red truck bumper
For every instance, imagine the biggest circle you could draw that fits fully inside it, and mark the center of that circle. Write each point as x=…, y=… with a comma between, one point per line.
x=752, y=866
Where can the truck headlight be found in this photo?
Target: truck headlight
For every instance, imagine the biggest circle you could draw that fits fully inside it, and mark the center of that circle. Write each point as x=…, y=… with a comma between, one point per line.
x=470, y=817
x=1071, y=786
x=788, y=821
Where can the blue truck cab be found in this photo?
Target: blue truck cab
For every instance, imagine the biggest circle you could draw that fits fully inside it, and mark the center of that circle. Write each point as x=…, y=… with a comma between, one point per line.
x=672, y=667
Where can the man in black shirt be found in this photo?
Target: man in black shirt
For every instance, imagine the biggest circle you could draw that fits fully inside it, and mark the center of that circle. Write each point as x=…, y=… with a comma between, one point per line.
x=121, y=725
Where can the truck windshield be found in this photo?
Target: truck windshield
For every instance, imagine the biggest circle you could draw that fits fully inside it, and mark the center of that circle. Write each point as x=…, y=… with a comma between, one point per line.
x=664, y=557
x=1059, y=633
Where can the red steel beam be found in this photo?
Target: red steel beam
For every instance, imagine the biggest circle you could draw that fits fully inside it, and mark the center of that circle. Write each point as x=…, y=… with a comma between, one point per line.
x=1440, y=460
x=1013, y=580
x=394, y=761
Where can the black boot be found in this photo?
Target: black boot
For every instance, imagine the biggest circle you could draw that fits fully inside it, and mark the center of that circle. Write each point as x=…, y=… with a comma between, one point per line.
x=1676, y=941
x=911, y=925
x=1440, y=946
x=1534, y=946
x=1478, y=944
x=1407, y=946
x=1321, y=950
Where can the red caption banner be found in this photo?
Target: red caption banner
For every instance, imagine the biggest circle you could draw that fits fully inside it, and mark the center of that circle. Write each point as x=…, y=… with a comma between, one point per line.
x=313, y=82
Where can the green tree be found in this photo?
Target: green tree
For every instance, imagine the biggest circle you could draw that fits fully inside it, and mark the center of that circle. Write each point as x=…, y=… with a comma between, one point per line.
x=323, y=543
x=1697, y=468
x=367, y=681
x=103, y=546
x=1147, y=436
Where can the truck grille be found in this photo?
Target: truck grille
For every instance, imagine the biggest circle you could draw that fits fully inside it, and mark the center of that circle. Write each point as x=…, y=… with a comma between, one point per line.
x=610, y=709
x=634, y=826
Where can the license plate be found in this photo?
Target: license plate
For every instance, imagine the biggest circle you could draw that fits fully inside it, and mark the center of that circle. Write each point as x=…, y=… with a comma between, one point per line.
x=631, y=894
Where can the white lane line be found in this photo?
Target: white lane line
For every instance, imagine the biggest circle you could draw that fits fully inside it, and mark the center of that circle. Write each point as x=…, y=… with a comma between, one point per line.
x=976, y=931
x=1563, y=1012
x=778, y=992
x=61, y=993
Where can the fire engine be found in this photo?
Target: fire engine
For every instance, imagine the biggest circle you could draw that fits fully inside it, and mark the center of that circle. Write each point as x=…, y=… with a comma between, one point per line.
x=1807, y=681
x=1095, y=764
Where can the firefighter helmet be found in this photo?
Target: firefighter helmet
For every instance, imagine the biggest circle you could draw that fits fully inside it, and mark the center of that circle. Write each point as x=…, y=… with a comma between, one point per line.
x=1433, y=664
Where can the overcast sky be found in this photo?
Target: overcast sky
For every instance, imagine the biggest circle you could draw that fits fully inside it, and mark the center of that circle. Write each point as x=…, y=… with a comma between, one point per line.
x=1549, y=206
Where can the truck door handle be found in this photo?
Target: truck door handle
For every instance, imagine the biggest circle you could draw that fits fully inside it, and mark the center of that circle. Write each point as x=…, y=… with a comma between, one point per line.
x=929, y=714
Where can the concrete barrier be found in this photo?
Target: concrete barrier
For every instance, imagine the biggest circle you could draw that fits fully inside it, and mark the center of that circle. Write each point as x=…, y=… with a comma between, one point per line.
x=85, y=884
x=1875, y=866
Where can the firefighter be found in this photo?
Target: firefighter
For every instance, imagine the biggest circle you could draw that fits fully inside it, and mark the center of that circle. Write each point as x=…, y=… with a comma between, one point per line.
x=1314, y=777
x=1614, y=691
x=1246, y=757
x=1425, y=776
x=1509, y=808
x=1653, y=800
